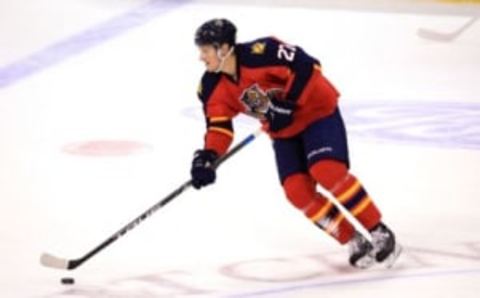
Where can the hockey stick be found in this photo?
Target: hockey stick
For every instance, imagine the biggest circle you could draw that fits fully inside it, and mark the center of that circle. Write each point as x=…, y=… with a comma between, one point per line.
x=52, y=261
x=445, y=37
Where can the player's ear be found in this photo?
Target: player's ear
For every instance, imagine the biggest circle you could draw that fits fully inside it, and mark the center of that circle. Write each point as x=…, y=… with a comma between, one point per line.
x=224, y=49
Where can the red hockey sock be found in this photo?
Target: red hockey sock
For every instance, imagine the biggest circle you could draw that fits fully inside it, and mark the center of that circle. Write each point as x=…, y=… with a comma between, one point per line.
x=300, y=190
x=333, y=176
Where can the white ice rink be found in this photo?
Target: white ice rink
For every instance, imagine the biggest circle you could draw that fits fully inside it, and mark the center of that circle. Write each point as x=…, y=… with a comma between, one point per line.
x=99, y=120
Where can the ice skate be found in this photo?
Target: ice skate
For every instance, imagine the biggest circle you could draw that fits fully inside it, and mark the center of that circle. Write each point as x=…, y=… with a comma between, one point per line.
x=385, y=248
x=360, y=252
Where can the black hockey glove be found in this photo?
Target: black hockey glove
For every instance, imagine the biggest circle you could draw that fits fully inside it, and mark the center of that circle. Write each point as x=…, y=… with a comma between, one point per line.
x=202, y=172
x=279, y=114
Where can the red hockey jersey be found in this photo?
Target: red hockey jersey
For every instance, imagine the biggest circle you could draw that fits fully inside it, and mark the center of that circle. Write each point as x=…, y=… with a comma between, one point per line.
x=265, y=66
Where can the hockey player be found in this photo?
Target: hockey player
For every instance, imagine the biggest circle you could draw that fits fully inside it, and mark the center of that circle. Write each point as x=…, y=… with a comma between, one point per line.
x=283, y=87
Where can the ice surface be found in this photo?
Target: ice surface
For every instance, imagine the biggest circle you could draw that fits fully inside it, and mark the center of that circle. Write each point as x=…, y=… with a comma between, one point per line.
x=412, y=108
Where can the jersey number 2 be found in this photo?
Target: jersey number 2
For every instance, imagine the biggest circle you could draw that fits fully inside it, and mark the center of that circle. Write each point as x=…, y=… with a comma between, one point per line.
x=286, y=52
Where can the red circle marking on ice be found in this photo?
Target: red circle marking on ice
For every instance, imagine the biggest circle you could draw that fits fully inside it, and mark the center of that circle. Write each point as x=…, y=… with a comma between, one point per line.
x=105, y=148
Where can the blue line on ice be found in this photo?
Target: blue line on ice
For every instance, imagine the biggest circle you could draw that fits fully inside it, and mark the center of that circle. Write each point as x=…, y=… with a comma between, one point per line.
x=82, y=41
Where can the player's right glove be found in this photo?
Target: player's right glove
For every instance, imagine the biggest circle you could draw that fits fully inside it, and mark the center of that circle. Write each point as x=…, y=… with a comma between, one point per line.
x=202, y=171
x=279, y=114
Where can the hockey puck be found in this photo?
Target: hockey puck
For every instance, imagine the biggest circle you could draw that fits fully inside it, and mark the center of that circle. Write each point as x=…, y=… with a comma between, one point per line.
x=67, y=281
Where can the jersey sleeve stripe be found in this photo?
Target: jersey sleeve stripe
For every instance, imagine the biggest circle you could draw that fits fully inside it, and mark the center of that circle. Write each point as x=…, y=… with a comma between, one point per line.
x=221, y=130
x=219, y=119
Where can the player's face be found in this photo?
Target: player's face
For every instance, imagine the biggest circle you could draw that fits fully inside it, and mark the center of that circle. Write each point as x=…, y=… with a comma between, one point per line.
x=208, y=54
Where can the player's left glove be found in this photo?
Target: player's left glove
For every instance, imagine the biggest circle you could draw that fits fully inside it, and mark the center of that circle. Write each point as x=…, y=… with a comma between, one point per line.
x=202, y=171
x=279, y=114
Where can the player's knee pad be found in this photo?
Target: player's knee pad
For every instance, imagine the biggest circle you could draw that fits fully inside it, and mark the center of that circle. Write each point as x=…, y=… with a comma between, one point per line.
x=299, y=189
x=328, y=173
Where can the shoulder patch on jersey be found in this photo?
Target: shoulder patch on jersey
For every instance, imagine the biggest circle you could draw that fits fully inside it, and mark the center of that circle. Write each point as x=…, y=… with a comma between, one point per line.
x=260, y=52
x=258, y=48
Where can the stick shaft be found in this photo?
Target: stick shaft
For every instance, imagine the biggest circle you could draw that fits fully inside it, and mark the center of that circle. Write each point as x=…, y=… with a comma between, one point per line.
x=72, y=264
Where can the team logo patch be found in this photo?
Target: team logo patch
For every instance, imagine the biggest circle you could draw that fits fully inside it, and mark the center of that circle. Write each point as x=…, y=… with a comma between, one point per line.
x=256, y=100
x=258, y=48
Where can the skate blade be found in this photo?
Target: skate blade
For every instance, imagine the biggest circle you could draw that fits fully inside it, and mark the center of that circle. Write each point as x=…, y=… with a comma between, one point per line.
x=392, y=258
x=366, y=262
